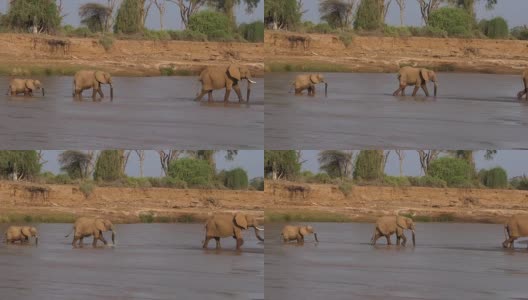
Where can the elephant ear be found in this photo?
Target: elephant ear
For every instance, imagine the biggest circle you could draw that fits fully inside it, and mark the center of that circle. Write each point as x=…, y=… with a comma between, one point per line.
x=100, y=77
x=314, y=78
x=425, y=74
x=234, y=71
x=100, y=225
x=240, y=220
x=401, y=221
x=303, y=231
x=30, y=84
x=26, y=231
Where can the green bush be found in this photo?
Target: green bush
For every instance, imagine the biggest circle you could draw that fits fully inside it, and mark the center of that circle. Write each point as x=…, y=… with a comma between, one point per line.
x=213, y=24
x=195, y=172
x=496, y=28
x=396, y=31
x=455, y=21
x=455, y=172
x=369, y=165
x=396, y=181
x=138, y=182
x=345, y=187
x=252, y=32
x=87, y=188
x=324, y=28
x=22, y=15
x=427, y=181
x=128, y=18
x=236, y=179
x=368, y=16
x=157, y=35
x=520, y=182
x=62, y=179
x=346, y=38
x=146, y=217
x=321, y=178
x=109, y=166
x=428, y=31
x=495, y=178
x=107, y=42
x=188, y=35
x=257, y=183
x=520, y=32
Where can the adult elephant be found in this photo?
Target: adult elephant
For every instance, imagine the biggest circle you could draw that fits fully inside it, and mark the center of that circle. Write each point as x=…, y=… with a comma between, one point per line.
x=225, y=225
x=297, y=233
x=88, y=79
x=215, y=78
x=21, y=233
x=24, y=86
x=307, y=82
x=389, y=225
x=525, y=81
x=85, y=227
x=417, y=77
x=516, y=227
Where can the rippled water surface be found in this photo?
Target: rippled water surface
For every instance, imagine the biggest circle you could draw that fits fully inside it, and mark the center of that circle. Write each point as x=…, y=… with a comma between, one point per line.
x=150, y=261
x=146, y=113
x=450, y=261
x=472, y=111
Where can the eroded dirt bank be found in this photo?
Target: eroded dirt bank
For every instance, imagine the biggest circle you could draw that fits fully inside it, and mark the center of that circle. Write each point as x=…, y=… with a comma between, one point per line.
x=21, y=53
x=122, y=204
x=387, y=54
x=366, y=203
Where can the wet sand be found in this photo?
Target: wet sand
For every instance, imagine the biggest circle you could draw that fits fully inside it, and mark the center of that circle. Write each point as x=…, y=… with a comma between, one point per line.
x=472, y=111
x=150, y=261
x=450, y=261
x=148, y=112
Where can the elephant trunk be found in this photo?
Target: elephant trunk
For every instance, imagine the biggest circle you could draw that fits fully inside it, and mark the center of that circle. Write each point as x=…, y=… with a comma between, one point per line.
x=43, y=92
x=36, y=240
x=113, y=237
x=249, y=88
x=326, y=89
x=111, y=92
x=435, y=88
x=315, y=236
x=257, y=234
x=413, y=239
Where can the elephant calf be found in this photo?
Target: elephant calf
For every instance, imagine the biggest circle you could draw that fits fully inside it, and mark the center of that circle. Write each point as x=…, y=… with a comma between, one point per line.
x=24, y=86
x=417, y=77
x=220, y=225
x=516, y=227
x=297, y=233
x=21, y=233
x=307, y=82
x=85, y=227
x=525, y=81
x=86, y=79
x=389, y=225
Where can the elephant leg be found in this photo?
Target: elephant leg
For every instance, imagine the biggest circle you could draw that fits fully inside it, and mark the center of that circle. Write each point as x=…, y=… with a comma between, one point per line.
x=100, y=91
x=404, y=240
x=398, y=240
x=217, y=239
x=415, y=90
x=376, y=236
x=75, y=239
x=298, y=91
x=206, y=242
x=239, y=244
x=210, y=96
x=400, y=89
x=202, y=93
x=239, y=94
x=522, y=93
x=226, y=96
x=101, y=237
x=94, y=93
x=387, y=236
x=424, y=88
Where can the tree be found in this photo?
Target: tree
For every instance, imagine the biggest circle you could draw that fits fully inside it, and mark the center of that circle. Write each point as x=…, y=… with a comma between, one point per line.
x=227, y=7
x=167, y=157
x=282, y=14
x=75, y=163
x=95, y=16
x=211, y=23
x=454, y=21
x=257, y=183
x=369, y=165
x=279, y=164
x=195, y=172
x=336, y=163
x=19, y=164
x=109, y=166
x=469, y=5
x=209, y=156
x=35, y=15
x=141, y=157
x=401, y=5
x=131, y=16
x=188, y=8
x=160, y=5
x=455, y=172
x=466, y=155
x=426, y=157
x=427, y=7
x=236, y=179
x=369, y=15
x=337, y=13
x=401, y=157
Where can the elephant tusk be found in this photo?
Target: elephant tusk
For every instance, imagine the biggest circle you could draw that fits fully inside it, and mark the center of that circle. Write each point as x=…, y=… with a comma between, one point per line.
x=258, y=228
x=252, y=81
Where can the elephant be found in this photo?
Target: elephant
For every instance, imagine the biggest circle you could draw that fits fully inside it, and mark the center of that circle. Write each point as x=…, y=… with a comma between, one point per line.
x=388, y=225
x=85, y=227
x=516, y=227
x=87, y=79
x=291, y=233
x=21, y=233
x=215, y=78
x=25, y=86
x=417, y=77
x=225, y=225
x=525, y=81
x=307, y=82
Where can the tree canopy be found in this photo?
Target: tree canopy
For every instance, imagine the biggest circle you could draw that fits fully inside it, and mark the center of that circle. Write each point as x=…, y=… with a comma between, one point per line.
x=33, y=15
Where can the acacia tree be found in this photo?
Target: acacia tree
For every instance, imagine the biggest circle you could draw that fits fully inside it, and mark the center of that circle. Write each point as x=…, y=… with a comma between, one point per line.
x=75, y=163
x=337, y=13
x=188, y=8
x=209, y=156
x=19, y=164
x=401, y=5
x=401, y=157
x=426, y=157
x=109, y=165
x=336, y=163
x=371, y=14
x=282, y=14
x=167, y=157
x=160, y=5
x=96, y=16
x=427, y=7
x=228, y=7
x=141, y=157
x=469, y=5
x=279, y=164
x=35, y=15
x=131, y=16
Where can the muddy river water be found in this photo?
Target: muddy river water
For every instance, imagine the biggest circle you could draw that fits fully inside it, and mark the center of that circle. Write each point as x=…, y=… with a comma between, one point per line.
x=146, y=113
x=472, y=111
x=150, y=261
x=450, y=261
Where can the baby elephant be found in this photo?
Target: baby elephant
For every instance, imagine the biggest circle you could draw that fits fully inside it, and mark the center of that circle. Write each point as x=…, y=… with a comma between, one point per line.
x=21, y=233
x=389, y=225
x=417, y=77
x=24, y=86
x=292, y=233
x=85, y=227
x=308, y=82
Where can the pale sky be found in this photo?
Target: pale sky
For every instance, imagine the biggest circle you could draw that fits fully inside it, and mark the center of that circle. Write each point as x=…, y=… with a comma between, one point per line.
x=514, y=11
x=172, y=19
x=250, y=160
x=515, y=162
